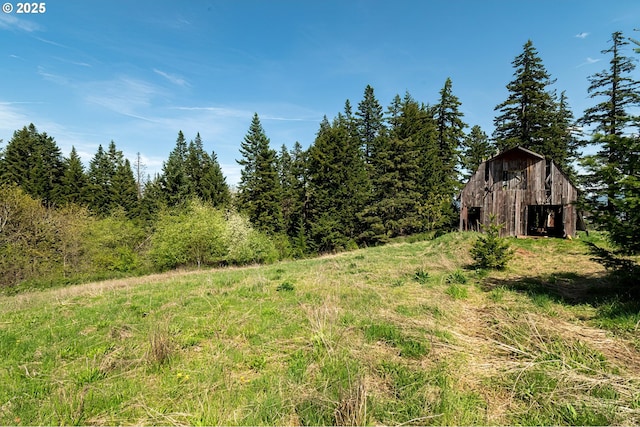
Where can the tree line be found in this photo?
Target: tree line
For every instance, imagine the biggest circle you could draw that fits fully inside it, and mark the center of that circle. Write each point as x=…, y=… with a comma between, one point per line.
x=369, y=175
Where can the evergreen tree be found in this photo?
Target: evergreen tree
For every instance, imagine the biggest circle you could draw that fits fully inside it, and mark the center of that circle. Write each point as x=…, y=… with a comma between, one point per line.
x=450, y=129
x=404, y=164
x=259, y=189
x=152, y=201
x=111, y=182
x=33, y=161
x=124, y=189
x=175, y=181
x=531, y=117
x=369, y=121
x=476, y=148
x=213, y=187
x=564, y=149
x=337, y=185
x=75, y=184
x=204, y=175
x=292, y=172
x=100, y=176
x=613, y=174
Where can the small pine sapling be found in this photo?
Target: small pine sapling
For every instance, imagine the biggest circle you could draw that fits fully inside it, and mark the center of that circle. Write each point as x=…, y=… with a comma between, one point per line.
x=490, y=250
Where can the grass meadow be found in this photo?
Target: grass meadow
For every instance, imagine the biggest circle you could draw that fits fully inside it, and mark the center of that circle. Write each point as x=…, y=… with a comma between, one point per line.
x=402, y=334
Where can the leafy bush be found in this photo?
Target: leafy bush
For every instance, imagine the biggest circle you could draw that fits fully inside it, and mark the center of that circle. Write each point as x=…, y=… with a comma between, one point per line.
x=202, y=235
x=245, y=244
x=193, y=236
x=111, y=243
x=490, y=250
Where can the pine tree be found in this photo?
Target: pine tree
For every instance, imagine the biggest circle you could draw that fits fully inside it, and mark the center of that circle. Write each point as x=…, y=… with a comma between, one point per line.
x=613, y=174
x=204, y=175
x=476, y=148
x=337, y=185
x=175, y=182
x=33, y=161
x=111, y=182
x=531, y=117
x=563, y=148
x=259, y=189
x=292, y=173
x=124, y=189
x=369, y=121
x=404, y=163
x=75, y=184
x=450, y=136
x=100, y=176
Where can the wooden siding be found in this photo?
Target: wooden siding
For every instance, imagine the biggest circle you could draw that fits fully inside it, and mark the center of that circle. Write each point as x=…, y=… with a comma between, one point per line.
x=511, y=182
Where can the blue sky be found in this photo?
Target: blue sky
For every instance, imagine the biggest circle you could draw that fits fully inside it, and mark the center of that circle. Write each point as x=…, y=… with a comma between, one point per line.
x=136, y=72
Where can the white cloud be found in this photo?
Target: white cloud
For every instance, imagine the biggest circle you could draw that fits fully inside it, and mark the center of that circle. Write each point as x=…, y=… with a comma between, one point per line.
x=10, y=22
x=123, y=95
x=589, y=61
x=582, y=35
x=172, y=78
x=55, y=78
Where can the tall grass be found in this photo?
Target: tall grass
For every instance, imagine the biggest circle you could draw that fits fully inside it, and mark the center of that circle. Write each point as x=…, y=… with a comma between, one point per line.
x=323, y=341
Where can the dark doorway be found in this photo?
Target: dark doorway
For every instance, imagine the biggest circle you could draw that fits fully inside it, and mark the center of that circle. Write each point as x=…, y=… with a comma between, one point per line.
x=473, y=219
x=545, y=220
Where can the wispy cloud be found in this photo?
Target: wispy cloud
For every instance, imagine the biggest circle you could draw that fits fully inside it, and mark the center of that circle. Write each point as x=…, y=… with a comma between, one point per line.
x=124, y=95
x=172, y=78
x=589, y=61
x=55, y=78
x=582, y=35
x=52, y=43
x=10, y=22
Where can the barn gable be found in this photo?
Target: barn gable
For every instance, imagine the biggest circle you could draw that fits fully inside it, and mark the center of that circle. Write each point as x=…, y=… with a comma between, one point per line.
x=527, y=193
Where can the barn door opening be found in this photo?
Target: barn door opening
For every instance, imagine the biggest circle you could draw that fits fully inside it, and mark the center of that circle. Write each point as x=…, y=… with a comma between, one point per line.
x=473, y=219
x=545, y=220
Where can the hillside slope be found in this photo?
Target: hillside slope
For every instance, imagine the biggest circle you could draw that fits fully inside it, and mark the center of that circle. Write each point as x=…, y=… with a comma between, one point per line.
x=400, y=334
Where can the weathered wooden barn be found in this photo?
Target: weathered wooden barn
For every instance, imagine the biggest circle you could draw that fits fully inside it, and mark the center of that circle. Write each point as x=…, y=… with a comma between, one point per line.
x=530, y=195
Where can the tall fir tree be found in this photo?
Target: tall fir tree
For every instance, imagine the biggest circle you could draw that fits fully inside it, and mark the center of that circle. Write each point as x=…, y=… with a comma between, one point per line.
x=214, y=188
x=259, y=190
x=204, y=175
x=111, y=182
x=100, y=176
x=175, y=181
x=404, y=170
x=33, y=161
x=75, y=184
x=450, y=131
x=292, y=172
x=337, y=185
x=476, y=148
x=531, y=117
x=612, y=176
x=124, y=189
x=369, y=121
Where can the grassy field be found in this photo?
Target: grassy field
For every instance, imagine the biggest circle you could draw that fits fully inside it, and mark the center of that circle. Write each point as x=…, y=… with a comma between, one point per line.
x=398, y=335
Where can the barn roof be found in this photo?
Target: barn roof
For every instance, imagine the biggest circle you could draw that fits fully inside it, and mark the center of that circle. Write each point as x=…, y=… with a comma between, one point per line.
x=517, y=151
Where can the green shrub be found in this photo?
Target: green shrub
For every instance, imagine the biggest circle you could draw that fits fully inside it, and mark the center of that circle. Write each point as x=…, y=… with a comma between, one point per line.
x=202, y=235
x=193, y=236
x=245, y=244
x=490, y=250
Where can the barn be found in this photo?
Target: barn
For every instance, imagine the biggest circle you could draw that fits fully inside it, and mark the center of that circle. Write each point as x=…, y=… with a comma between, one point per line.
x=527, y=193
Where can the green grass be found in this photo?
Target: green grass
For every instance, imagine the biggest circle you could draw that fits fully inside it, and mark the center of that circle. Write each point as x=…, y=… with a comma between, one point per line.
x=398, y=334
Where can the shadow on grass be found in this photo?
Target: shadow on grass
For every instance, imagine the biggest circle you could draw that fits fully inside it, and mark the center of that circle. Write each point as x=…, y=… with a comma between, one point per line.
x=615, y=293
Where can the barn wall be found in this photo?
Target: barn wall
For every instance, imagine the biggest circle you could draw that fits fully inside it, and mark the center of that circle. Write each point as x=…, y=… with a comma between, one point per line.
x=497, y=187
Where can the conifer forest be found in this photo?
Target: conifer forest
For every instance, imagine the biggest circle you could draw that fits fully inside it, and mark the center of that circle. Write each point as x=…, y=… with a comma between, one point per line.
x=370, y=174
